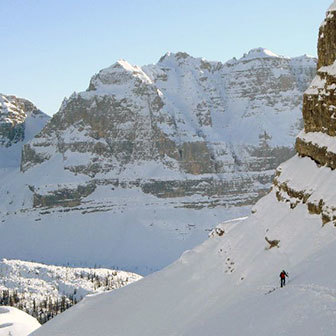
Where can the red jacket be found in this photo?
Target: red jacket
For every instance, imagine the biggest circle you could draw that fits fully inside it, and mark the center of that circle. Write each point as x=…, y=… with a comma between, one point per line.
x=283, y=275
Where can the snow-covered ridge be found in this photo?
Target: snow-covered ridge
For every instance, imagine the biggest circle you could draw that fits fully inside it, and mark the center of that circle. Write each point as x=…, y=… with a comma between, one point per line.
x=181, y=58
x=32, y=284
x=332, y=7
x=259, y=53
x=15, y=111
x=173, y=59
x=118, y=74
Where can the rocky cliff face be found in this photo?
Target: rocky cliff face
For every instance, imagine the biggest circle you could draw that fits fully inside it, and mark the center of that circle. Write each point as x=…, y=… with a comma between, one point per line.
x=141, y=165
x=20, y=121
x=316, y=144
x=185, y=116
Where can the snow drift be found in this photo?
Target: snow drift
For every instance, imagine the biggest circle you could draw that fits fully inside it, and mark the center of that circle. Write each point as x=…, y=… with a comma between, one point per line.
x=14, y=322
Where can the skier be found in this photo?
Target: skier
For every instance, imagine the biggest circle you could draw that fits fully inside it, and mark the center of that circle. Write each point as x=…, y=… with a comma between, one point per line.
x=283, y=276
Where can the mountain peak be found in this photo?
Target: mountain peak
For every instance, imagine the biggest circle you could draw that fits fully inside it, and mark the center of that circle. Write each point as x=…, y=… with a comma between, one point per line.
x=122, y=65
x=307, y=56
x=332, y=7
x=304, y=59
x=9, y=112
x=174, y=56
x=172, y=59
x=259, y=53
x=15, y=110
x=118, y=73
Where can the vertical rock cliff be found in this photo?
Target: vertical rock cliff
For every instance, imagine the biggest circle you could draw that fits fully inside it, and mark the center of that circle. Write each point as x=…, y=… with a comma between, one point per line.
x=316, y=144
x=176, y=127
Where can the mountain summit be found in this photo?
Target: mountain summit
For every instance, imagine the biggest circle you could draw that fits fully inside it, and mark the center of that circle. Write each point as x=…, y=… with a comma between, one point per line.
x=259, y=53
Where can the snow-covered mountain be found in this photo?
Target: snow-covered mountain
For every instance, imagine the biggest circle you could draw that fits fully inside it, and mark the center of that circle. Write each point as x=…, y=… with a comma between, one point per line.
x=20, y=121
x=144, y=163
x=14, y=322
x=229, y=284
x=44, y=291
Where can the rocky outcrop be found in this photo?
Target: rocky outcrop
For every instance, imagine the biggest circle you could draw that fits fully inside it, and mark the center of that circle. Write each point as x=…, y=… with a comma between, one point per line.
x=322, y=155
x=20, y=121
x=315, y=204
x=13, y=114
x=319, y=102
x=12, y=117
x=327, y=40
x=64, y=197
x=316, y=144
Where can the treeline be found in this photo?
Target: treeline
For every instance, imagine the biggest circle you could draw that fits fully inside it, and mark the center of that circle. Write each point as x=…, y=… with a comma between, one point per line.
x=43, y=311
x=50, y=306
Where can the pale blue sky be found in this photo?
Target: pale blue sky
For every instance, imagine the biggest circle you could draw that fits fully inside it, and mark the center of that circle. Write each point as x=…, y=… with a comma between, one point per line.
x=50, y=48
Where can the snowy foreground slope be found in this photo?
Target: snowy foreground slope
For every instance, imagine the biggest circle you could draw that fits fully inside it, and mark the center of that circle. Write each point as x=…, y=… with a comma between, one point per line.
x=220, y=287
x=229, y=285
x=14, y=322
x=141, y=165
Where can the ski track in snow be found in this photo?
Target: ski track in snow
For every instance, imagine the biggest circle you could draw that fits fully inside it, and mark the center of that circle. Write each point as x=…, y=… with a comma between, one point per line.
x=319, y=290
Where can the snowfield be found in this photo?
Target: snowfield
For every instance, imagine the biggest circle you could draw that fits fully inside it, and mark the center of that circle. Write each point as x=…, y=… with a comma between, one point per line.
x=229, y=285
x=14, y=322
x=114, y=227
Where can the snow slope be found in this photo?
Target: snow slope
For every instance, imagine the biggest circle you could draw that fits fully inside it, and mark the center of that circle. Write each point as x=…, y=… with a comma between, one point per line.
x=332, y=6
x=225, y=286
x=14, y=322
